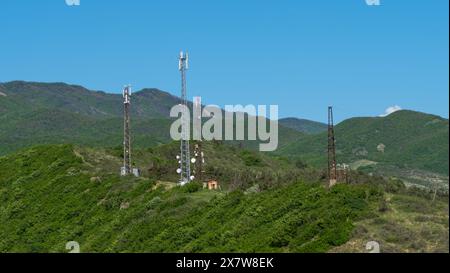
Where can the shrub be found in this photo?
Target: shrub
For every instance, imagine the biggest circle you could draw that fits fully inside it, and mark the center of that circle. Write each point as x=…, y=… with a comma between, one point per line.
x=192, y=187
x=383, y=206
x=251, y=159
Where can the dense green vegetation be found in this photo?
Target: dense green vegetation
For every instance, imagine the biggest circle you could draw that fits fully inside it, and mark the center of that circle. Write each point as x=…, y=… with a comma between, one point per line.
x=295, y=218
x=404, y=140
x=50, y=195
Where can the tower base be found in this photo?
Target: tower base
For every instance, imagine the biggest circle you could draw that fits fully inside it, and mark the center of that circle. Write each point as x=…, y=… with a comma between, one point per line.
x=332, y=182
x=135, y=171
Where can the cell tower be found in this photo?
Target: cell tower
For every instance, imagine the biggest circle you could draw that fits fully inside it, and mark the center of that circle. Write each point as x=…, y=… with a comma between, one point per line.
x=332, y=174
x=199, y=157
x=184, y=158
x=126, y=169
x=199, y=161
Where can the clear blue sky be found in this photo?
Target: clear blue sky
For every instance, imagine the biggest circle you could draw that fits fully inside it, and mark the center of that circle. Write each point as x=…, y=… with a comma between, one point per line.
x=300, y=54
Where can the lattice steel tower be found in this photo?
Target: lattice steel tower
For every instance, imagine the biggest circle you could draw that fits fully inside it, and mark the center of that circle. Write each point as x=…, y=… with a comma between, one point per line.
x=199, y=161
x=332, y=173
x=199, y=157
x=185, y=157
x=126, y=170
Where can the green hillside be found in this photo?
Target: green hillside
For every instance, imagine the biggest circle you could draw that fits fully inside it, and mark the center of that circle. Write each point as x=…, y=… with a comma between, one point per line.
x=404, y=140
x=56, y=113
x=50, y=195
x=304, y=125
x=46, y=113
x=25, y=97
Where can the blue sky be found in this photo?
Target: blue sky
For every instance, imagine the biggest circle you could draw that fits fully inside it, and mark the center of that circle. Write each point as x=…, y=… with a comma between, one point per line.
x=300, y=54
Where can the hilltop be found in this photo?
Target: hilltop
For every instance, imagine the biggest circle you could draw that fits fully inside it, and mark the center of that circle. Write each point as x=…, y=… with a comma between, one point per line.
x=304, y=125
x=407, y=144
x=26, y=97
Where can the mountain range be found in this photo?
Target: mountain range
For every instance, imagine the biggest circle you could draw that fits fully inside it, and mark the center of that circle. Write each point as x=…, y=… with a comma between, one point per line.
x=44, y=113
x=407, y=144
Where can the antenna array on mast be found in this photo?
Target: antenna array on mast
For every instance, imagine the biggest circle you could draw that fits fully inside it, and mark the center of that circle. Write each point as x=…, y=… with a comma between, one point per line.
x=184, y=158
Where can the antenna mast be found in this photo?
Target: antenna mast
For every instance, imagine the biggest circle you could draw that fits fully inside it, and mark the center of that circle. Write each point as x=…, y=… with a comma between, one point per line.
x=199, y=158
x=126, y=131
x=185, y=166
x=199, y=161
x=332, y=174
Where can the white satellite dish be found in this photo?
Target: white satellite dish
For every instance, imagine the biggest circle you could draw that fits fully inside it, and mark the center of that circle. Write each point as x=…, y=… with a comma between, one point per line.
x=178, y=157
x=192, y=177
x=178, y=171
x=193, y=160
